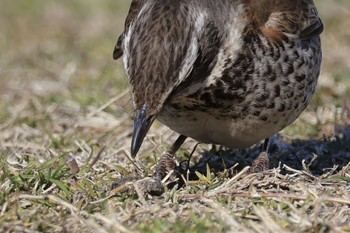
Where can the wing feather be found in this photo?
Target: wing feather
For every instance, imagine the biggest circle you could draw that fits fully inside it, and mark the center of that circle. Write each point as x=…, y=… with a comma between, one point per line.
x=133, y=12
x=280, y=19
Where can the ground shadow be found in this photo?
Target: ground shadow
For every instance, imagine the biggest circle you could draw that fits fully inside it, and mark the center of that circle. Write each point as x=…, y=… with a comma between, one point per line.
x=318, y=155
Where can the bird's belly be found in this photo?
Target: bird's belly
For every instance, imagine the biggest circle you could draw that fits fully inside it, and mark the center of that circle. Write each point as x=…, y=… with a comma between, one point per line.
x=232, y=133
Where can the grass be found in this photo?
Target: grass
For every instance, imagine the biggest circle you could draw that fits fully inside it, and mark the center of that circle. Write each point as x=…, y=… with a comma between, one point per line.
x=65, y=126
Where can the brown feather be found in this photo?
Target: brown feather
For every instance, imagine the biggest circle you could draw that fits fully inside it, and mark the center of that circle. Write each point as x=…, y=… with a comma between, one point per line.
x=133, y=11
x=276, y=18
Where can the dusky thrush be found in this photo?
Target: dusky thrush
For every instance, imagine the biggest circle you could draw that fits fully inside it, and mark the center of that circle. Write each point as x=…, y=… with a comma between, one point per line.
x=228, y=72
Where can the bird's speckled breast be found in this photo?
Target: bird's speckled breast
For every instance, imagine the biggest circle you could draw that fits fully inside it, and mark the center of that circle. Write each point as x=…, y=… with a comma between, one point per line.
x=262, y=91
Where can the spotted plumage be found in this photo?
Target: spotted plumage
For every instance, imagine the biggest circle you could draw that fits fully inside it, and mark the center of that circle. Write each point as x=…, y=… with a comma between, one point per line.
x=229, y=72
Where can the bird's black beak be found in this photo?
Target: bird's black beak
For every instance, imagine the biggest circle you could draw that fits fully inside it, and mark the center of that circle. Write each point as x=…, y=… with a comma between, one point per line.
x=142, y=123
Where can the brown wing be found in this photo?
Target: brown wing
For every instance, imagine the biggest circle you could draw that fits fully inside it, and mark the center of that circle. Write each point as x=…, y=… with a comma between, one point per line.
x=311, y=25
x=278, y=19
x=133, y=11
x=118, y=52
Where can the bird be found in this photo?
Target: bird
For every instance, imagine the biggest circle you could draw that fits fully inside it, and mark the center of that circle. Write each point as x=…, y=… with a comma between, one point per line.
x=226, y=72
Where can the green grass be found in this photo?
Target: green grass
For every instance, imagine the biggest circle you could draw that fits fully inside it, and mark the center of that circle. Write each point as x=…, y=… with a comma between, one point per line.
x=60, y=152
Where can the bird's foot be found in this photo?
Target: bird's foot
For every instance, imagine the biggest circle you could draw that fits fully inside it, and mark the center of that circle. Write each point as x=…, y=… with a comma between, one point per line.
x=164, y=166
x=153, y=185
x=261, y=163
x=148, y=185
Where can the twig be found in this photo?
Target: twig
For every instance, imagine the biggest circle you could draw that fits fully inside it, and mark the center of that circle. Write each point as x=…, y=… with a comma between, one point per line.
x=270, y=224
x=51, y=198
x=97, y=156
x=290, y=196
x=111, y=101
x=128, y=156
x=299, y=172
x=225, y=185
x=109, y=222
x=267, y=195
x=102, y=199
x=4, y=207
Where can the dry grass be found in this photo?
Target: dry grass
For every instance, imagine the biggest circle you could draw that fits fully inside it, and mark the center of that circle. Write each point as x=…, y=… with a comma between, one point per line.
x=65, y=125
